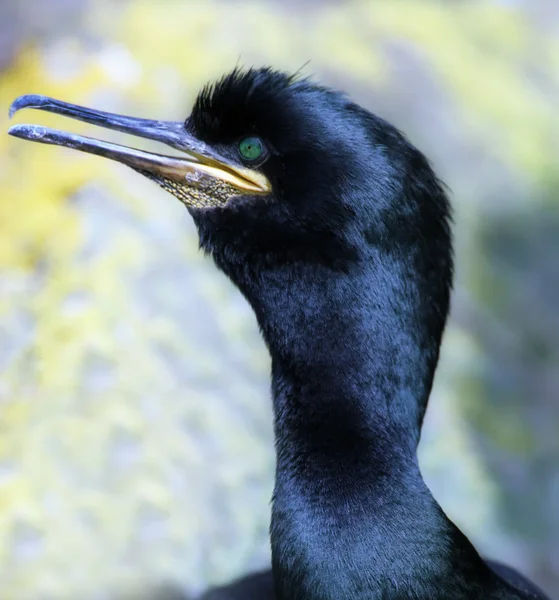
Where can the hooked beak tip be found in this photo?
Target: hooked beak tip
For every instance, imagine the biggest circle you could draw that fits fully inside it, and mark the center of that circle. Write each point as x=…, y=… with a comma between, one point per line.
x=27, y=101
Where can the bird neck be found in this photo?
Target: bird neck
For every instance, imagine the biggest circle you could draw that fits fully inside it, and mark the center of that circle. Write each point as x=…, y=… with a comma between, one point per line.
x=352, y=363
x=352, y=368
x=353, y=359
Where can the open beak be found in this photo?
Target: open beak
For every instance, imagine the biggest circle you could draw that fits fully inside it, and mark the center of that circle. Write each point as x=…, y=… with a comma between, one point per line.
x=202, y=177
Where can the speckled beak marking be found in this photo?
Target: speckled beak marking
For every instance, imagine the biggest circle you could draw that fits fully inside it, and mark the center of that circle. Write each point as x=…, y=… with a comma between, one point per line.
x=200, y=179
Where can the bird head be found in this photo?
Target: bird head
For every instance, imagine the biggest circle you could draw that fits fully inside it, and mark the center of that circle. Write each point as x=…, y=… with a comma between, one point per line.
x=277, y=171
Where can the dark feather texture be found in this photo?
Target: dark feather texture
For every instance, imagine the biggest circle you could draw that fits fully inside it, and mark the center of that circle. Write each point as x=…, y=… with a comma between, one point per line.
x=348, y=267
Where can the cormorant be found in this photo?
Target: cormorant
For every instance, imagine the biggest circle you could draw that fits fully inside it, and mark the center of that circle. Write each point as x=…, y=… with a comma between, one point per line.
x=337, y=231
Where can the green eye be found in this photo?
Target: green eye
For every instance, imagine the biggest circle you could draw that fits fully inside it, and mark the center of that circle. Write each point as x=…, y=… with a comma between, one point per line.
x=251, y=149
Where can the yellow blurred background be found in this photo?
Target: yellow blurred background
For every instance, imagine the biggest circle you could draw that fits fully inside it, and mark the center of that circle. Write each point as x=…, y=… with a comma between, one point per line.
x=135, y=423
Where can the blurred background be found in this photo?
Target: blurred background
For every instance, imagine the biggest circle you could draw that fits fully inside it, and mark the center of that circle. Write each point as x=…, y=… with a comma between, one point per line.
x=135, y=421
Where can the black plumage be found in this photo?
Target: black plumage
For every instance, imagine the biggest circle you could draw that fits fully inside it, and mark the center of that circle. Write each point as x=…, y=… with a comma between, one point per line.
x=349, y=270
x=343, y=248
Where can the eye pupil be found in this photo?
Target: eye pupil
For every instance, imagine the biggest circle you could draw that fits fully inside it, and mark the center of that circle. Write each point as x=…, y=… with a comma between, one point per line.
x=251, y=149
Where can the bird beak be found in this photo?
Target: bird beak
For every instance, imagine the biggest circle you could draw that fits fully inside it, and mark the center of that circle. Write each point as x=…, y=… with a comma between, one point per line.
x=201, y=167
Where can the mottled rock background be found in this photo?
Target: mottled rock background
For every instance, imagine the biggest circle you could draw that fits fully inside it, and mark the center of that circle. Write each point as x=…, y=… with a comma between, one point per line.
x=135, y=426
